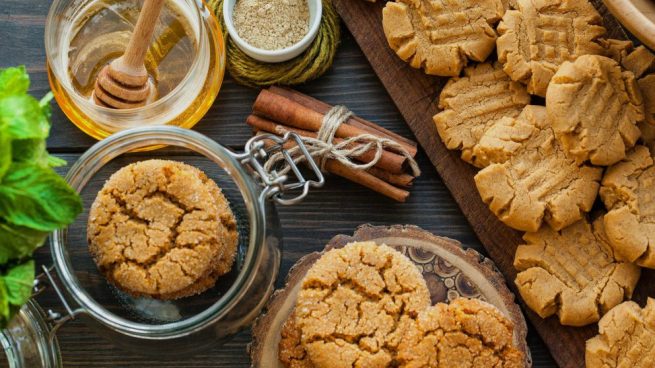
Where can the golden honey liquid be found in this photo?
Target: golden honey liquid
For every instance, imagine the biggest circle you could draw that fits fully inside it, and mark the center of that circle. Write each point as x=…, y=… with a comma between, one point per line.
x=160, y=63
x=103, y=32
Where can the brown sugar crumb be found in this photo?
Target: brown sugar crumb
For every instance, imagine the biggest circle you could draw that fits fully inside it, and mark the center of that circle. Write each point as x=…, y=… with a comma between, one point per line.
x=291, y=352
x=271, y=24
x=465, y=333
x=355, y=304
x=162, y=229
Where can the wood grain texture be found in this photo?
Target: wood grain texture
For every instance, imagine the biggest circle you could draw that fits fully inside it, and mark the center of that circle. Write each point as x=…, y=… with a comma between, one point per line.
x=416, y=94
x=339, y=207
x=638, y=16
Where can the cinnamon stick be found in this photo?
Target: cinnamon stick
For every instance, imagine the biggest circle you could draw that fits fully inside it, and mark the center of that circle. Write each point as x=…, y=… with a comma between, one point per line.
x=283, y=109
x=361, y=177
x=323, y=108
x=366, y=179
x=399, y=180
x=389, y=161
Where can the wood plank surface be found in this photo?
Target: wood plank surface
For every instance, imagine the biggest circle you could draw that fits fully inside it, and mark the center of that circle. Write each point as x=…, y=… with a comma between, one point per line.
x=338, y=208
x=416, y=95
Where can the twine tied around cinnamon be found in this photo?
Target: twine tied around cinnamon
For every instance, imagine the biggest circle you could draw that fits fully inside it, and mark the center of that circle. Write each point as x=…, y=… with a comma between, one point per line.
x=322, y=148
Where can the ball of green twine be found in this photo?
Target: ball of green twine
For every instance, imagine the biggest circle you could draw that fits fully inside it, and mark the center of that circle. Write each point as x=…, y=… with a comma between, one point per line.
x=309, y=65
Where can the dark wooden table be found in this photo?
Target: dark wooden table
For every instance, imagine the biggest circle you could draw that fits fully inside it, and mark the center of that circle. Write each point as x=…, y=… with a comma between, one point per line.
x=337, y=208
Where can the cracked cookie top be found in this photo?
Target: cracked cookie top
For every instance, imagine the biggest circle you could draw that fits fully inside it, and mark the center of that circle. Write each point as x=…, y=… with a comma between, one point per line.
x=538, y=182
x=626, y=338
x=594, y=107
x=464, y=333
x=473, y=103
x=441, y=36
x=538, y=36
x=628, y=191
x=355, y=304
x=572, y=273
x=161, y=229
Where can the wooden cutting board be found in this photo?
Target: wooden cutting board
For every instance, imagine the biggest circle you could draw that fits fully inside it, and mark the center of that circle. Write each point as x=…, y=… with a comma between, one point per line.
x=416, y=95
x=450, y=272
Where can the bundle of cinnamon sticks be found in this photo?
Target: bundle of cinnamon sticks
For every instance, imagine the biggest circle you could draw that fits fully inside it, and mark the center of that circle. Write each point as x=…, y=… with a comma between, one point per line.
x=280, y=110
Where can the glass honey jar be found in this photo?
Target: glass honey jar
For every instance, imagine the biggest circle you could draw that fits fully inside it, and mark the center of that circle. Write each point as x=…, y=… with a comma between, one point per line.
x=186, y=61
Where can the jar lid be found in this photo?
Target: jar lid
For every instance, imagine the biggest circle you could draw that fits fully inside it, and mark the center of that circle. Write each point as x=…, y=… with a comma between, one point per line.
x=28, y=341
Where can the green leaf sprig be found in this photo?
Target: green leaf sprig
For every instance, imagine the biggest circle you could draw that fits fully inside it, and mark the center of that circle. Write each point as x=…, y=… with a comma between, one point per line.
x=34, y=200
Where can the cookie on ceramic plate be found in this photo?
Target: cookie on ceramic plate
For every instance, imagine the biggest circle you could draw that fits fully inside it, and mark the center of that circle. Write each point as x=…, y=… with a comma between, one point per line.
x=355, y=304
x=536, y=37
x=440, y=37
x=464, y=333
x=473, y=103
x=450, y=272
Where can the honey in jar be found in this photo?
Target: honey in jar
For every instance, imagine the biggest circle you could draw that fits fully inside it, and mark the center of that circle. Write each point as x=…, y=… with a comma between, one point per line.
x=185, y=61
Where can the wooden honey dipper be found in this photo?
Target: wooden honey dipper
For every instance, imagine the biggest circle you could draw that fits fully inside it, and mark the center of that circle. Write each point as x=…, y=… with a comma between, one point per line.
x=124, y=83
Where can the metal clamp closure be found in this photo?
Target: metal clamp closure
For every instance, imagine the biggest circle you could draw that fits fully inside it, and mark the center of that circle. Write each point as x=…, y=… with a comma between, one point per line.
x=280, y=187
x=55, y=318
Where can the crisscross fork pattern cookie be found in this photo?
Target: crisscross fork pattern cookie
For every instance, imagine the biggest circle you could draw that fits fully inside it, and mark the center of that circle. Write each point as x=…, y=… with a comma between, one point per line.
x=473, y=103
x=628, y=191
x=572, y=273
x=626, y=338
x=538, y=182
x=538, y=36
x=440, y=36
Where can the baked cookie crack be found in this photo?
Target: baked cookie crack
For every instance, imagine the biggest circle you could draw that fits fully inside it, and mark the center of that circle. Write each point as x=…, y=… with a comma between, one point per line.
x=354, y=304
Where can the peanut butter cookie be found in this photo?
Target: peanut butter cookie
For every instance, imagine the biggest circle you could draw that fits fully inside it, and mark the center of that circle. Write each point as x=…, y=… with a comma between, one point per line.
x=499, y=143
x=355, y=304
x=441, y=36
x=628, y=191
x=640, y=61
x=572, y=273
x=538, y=182
x=473, y=103
x=626, y=338
x=291, y=352
x=464, y=333
x=594, y=107
x=162, y=229
x=648, y=135
x=647, y=127
x=538, y=36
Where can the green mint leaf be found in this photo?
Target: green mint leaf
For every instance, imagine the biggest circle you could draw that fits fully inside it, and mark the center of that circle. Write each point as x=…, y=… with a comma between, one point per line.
x=19, y=281
x=45, y=105
x=56, y=161
x=18, y=241
x=36, y=197
x=14, y=81
x=30, y=151
x=24, y=117
x=5, y=150
x=4, y=304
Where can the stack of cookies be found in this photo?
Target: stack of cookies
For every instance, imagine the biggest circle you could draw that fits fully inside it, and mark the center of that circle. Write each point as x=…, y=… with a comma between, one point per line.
x=367, y=305
x=561, y=119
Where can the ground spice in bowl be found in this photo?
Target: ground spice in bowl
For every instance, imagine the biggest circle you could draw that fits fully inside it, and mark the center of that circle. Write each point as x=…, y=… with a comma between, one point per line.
x=271, y=24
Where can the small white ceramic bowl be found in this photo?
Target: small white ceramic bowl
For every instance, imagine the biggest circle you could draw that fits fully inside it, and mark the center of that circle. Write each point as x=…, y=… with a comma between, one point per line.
x=275, y=56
